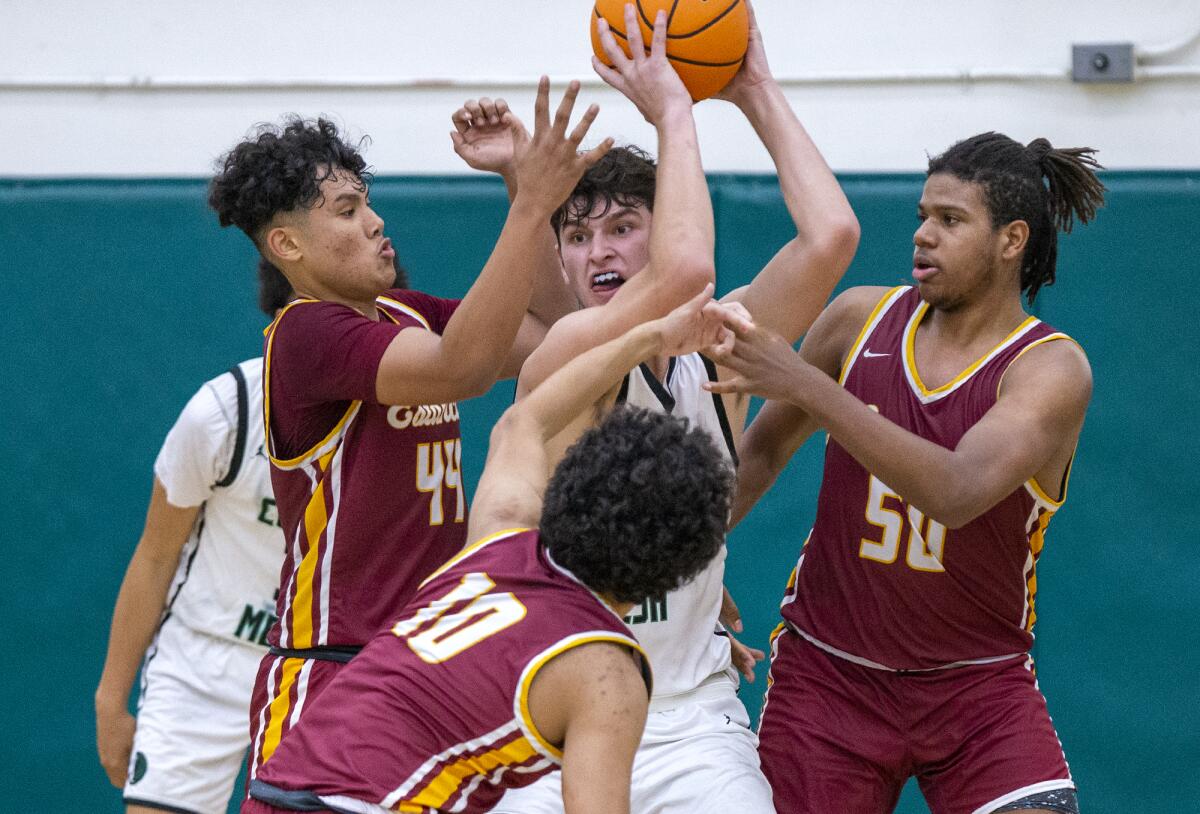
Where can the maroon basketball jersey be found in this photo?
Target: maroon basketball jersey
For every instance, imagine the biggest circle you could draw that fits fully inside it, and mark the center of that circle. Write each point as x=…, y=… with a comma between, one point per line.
x=433, y=713
x=370, y=496
x=879, y=582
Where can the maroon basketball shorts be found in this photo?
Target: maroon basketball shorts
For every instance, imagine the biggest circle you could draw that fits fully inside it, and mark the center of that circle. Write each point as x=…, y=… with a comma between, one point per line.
x=281, y=690
x=839, y=738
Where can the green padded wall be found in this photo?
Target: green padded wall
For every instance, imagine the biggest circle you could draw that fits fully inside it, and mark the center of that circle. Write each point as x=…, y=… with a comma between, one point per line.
x=123, y=296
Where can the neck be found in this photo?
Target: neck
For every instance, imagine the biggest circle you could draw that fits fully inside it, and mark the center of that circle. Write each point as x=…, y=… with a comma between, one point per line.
x=365, y=307
x=995, y=314
x=658, y=366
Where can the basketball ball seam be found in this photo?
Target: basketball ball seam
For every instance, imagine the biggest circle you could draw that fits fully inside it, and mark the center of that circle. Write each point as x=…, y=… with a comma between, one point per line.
x=619, y=35
x=671, y=16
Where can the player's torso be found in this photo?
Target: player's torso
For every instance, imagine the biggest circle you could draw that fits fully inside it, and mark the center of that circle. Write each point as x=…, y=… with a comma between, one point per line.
x=229, y=568
x=678, y=630
x=445, y=688
x=880, y=581
x=367, y=513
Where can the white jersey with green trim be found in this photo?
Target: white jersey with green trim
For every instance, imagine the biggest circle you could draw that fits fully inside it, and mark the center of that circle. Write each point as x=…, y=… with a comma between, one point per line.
x=680, y=631
x=229, y=568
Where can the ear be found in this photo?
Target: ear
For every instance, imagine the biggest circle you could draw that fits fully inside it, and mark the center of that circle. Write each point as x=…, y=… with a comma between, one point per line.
x=1014, y=237
x=282, y=243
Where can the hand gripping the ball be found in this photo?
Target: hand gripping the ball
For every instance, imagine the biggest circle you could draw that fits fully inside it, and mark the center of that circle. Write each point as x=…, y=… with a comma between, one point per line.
x=647, y=80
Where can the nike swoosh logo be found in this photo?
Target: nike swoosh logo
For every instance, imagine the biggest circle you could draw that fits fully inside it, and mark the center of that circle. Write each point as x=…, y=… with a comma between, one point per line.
x=868, y=355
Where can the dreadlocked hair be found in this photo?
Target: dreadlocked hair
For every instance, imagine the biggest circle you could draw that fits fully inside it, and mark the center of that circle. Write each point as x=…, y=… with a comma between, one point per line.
x=1047, y=187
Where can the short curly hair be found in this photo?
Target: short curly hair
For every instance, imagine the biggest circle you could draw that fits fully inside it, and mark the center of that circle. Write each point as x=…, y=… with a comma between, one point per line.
x=280, y=169
x=638, y=505
x=624, y=176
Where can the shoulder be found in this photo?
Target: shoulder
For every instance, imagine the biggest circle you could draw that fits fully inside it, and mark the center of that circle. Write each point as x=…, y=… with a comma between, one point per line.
x=1056, y=363
x=433, y=311
x=835, y=330
x=855, y=305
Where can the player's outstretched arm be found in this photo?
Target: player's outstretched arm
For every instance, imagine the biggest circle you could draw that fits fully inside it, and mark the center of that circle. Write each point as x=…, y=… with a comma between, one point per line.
x=139, y=609
x=484, y=136
x=792, y=289
x=1036, y=419
x=681, y=235
x=419, y=367
x=516, y=471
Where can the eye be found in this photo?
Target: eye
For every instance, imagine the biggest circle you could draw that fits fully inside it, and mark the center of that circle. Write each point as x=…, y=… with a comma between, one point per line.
x=921, y=218
x=949, y=220
x=623, y=228
x=349, y=213
x=577, y=238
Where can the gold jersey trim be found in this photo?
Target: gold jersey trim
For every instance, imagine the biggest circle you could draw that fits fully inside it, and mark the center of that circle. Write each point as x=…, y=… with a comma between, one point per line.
x=521, y=701
x=885, y=303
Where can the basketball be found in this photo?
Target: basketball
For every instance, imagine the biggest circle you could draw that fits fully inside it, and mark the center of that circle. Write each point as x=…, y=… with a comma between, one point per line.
x=706, y=39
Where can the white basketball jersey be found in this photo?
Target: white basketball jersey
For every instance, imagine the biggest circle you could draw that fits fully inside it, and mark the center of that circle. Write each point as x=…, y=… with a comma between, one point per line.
x=680, y=631
x=229, y=568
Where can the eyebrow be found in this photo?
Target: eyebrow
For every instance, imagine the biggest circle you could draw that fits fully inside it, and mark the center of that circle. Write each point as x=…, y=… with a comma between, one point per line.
x=353, y=196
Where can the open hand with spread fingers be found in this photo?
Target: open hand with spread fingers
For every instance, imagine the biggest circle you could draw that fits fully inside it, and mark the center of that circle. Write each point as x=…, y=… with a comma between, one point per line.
x=483, y=135
x=548, y=164
x=646, y=79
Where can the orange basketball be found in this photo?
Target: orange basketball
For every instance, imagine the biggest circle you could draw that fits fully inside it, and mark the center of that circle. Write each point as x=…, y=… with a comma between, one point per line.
x=706, y=39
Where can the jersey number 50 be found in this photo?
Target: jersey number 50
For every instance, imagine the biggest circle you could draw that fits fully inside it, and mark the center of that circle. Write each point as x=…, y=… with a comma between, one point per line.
x=926, y=537
x=436, y=635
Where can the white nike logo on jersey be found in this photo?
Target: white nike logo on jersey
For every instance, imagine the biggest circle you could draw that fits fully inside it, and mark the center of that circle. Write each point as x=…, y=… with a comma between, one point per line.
x=868, y=355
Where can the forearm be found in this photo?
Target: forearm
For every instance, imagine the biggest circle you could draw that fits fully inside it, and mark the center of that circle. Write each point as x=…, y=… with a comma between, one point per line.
x=925, y=474
x=682, y=239
x=136, y=616
x=767, y=446
x=497, y=302
x=810, y=190
x=585, y=379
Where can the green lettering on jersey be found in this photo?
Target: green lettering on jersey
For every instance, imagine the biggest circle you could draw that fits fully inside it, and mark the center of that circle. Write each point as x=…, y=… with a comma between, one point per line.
x=268, y=514
x=653, y=609
x=251, y=626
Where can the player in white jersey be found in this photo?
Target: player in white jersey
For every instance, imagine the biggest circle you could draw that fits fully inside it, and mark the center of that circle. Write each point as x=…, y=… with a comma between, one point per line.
x=628, y=236
x=197, y=601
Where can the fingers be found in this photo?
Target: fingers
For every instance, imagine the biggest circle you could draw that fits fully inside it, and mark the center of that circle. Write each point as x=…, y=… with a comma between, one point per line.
x=609, y=74
x=598, y=152
x=616, y=55
x=633, y=32
x=585, y=124
x=461, y=119
x=735, y=385
x=658, y=45
x=562, y=116
x=541, y=106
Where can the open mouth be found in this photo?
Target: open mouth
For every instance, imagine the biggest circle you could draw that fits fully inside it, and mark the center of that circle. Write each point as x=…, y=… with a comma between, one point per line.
x=607, y=281
x=923, y=268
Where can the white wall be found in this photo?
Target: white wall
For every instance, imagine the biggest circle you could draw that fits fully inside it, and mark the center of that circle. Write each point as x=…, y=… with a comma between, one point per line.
x=161, y=87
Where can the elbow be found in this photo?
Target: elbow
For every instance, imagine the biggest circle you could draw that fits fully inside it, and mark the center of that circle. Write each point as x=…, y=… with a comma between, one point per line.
x=838, y=243
x=686, y=274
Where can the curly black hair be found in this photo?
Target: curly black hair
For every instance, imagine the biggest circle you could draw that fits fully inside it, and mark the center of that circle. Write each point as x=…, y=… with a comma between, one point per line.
x=625, y=176
x=281, y=169
x=1045, y=186
x=638, y=505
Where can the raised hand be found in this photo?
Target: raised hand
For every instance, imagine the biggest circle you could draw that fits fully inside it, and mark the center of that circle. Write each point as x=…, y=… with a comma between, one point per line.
x=699, y=323
x=754, y=71
x=549, y=164
x=483, y=134
x=647, y=80
x=765, y=363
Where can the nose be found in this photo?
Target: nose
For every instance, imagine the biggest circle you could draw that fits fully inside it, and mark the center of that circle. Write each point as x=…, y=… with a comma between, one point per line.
x=374, y=223
x=924, y=237
x=599, y=248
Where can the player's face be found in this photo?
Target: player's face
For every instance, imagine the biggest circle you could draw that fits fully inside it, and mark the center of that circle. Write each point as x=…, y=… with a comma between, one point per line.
x=956, y=250
x=601, y=252
x=344, y=249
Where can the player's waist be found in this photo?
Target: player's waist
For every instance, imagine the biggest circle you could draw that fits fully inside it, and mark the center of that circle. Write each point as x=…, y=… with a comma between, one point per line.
x=338, y=653
x=862, y=661
x=716, y=685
